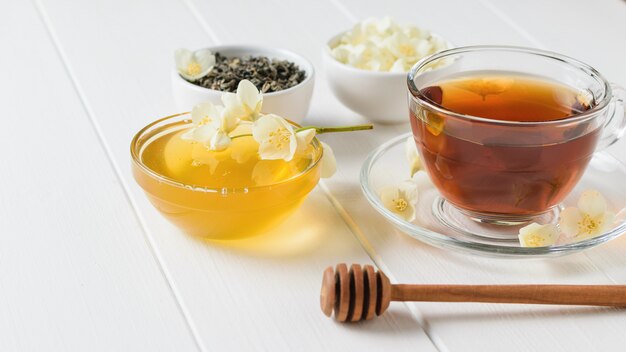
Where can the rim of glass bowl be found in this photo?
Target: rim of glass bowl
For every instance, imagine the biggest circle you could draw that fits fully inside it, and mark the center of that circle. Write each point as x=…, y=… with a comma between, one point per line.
x=446, y=241
x=333, y=39
x=257, y=50
x=589, y=114
x=136, y=145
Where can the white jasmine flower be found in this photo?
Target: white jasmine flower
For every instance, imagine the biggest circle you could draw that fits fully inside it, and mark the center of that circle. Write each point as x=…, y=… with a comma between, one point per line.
x=415, y=32
x=194, y=65
x=379, y=27
x=328, y=165
x=400, y=65
x=590, y=219
x=342, y=53
x=370, y=57
x=246, y=103
x=423, y=182
x=411, y=49
x=383, y=45
x=401, y=200
x=250, y=97
x=536, y=235
x=226, y=122
x=212, y=126
x=370, y=29
x=202, y=114
x=211, y=137
x=220, y=140
x=276, y=137
x=304, y=138
x=233, y=106
x=205, y=113
x=412, y=155
x=360, y=55
x=355, y=36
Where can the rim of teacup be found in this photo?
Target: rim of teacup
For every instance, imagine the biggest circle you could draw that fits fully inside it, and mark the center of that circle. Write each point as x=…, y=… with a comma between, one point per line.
x=588, y=114
x=256, y=50
x=138, y=142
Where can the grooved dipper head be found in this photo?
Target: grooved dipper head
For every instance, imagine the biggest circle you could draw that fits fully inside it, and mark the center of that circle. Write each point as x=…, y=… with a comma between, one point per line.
x=356, y=294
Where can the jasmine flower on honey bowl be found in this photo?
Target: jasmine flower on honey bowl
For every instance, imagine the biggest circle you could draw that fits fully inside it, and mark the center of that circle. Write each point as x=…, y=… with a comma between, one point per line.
x=215, y=127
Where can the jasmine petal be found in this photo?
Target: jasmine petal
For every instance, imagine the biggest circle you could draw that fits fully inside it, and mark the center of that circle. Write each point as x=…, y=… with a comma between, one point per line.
x=194, y=65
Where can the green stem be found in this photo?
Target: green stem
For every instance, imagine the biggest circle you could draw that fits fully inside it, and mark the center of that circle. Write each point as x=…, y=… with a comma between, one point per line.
x=320, y=130
x=241, y=135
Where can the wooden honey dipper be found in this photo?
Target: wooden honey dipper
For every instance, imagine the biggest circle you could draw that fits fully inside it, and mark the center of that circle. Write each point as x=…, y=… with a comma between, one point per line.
x=362, y=293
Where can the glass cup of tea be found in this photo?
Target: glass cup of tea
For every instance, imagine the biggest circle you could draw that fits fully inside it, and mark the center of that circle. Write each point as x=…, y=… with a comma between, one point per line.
x=505, y=133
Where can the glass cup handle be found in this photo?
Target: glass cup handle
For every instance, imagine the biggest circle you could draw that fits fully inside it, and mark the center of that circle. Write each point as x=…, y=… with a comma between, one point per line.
x=615, y=123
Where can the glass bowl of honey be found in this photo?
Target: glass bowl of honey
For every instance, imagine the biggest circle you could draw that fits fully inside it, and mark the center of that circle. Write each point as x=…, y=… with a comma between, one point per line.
x=220, y=195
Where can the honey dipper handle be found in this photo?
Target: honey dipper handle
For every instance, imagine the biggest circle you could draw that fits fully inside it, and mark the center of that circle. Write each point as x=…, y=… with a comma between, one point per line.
x=596, y=295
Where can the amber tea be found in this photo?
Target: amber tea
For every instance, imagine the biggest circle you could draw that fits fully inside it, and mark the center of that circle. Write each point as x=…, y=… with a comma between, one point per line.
x=510, y=168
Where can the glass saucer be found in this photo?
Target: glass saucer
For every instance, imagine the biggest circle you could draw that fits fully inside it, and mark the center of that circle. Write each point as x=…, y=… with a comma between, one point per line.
x=387, y=166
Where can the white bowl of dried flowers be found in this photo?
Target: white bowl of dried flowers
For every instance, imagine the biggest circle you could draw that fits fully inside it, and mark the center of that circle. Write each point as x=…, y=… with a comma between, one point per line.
x=367, y=66
x=285, y=78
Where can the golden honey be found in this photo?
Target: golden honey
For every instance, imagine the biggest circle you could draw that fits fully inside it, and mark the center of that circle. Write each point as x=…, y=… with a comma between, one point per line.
x=219, y=194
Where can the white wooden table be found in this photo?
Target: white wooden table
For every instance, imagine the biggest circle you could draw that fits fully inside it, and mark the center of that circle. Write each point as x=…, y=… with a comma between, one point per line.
x=86, y=263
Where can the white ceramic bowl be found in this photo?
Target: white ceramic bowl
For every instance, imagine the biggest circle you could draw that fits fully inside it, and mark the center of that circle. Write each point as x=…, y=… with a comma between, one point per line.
x=292, y=103
x=379, y=96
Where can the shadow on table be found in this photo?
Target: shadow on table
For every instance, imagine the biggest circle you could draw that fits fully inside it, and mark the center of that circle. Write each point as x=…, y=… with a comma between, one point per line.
x=395, y=320
x=315, y=225
x=542, y=313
